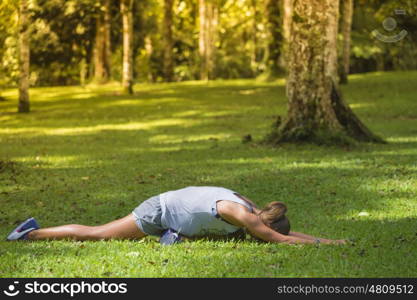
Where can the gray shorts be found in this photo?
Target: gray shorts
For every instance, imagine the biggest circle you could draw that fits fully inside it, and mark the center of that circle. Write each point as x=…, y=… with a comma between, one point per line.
x=148, y=216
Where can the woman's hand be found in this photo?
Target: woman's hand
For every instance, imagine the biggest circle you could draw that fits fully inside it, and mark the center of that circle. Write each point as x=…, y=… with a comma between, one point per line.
x=332, y=242
x=341, y=242
x=338, y=242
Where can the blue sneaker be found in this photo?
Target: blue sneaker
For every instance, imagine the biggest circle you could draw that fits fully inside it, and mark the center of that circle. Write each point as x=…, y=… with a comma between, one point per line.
x=170, y=237
x=21, y=231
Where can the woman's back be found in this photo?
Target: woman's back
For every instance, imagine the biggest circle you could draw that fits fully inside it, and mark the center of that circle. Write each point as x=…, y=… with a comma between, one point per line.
x=192, y=211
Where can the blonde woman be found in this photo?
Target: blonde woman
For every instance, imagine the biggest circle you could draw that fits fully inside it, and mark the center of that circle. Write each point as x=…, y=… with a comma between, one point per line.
x=191, y=212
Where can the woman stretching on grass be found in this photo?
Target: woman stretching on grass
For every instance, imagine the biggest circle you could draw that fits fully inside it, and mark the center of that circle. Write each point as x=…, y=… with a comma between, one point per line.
x=191, y=212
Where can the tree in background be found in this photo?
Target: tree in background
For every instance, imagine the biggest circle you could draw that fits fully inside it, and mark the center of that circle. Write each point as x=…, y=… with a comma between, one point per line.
x=286, y=30
x=208, y=14
x=346, y=25
x=8, y=33
x=316, y=110
x=234, y=40
x=254, y=52
x=275, y=37
x=126, y=7
x=168, y=40
x=102, y=43
x=24, y=57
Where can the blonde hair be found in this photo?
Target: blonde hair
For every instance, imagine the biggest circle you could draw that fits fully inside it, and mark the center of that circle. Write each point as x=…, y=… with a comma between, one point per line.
x=273, y=216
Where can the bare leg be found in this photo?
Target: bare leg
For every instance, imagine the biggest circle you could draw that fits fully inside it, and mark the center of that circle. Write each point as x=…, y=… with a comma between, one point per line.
x=124, y=228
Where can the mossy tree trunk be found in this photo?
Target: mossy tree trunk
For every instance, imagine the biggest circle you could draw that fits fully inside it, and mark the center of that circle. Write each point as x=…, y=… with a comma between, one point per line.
x=316, y=110
x=126, y=7
x=24, y=57
x=168, y=39
x=347, y=13
x=275, y=37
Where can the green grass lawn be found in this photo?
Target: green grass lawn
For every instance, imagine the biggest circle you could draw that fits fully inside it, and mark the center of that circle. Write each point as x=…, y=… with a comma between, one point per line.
x=90, y=155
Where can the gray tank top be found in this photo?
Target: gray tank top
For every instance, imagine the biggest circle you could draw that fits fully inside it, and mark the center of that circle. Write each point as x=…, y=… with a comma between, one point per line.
x=192, y=211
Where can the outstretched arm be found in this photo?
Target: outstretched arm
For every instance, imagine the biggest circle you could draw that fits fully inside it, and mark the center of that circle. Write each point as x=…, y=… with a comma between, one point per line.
x=315, y=239
x=258, y=229
x=239, y=215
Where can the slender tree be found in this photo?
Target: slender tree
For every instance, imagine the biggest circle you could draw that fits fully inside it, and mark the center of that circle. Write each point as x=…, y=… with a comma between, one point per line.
x=286, y=30
x=316, y=110
x=208, y=14
x=168, y=39
x=347, y=13
x=24, y=57
x=275, y=37
x=148, y=45
x=286, y=18
x=254, y=54
x=107, y=36
x=126, y=7
x=102, y=52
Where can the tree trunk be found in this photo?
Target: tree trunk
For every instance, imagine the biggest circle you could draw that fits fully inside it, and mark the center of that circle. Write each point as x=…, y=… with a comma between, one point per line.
x=126, y=7
x=107, y=37
x=346, y=25
x=208, y=13
x=99, y=69
x=286, y=31
x=286, y=19
x=24, y=57
x=380, y=62
x=254, y=54
x=275, y=37
x=149, y=52
x=202, y=40
x=83, y=71
x=316, y=110
x=102, y=50
x=167, y=31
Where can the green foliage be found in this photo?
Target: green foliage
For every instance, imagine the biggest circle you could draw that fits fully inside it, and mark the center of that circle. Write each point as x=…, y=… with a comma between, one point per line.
x=63, y=31
x=369, y=53
x=89, y=155
x=8, y=52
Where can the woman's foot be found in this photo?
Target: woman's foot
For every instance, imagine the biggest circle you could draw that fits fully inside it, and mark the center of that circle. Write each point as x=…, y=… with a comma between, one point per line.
x=21, y=231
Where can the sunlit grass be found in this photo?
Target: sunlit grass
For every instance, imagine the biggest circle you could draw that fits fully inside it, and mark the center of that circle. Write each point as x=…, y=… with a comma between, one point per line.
x=91, y=154
x=97, y=128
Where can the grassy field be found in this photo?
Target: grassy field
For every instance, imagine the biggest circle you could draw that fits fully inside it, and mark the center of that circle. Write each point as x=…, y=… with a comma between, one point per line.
x=90, y=155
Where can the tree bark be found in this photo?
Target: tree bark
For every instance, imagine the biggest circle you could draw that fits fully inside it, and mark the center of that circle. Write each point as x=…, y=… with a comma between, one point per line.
x=275, y=38
x=202, y=40
x=254, y=54
x=208, y=14
x=107, y=37
x=149, y=52
x=126, y=7
x=316, y=110
x=286, y=19
x=168, y=39
x=286, y=31
x=346, y=25
x=24, y=57
x=101, y=51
